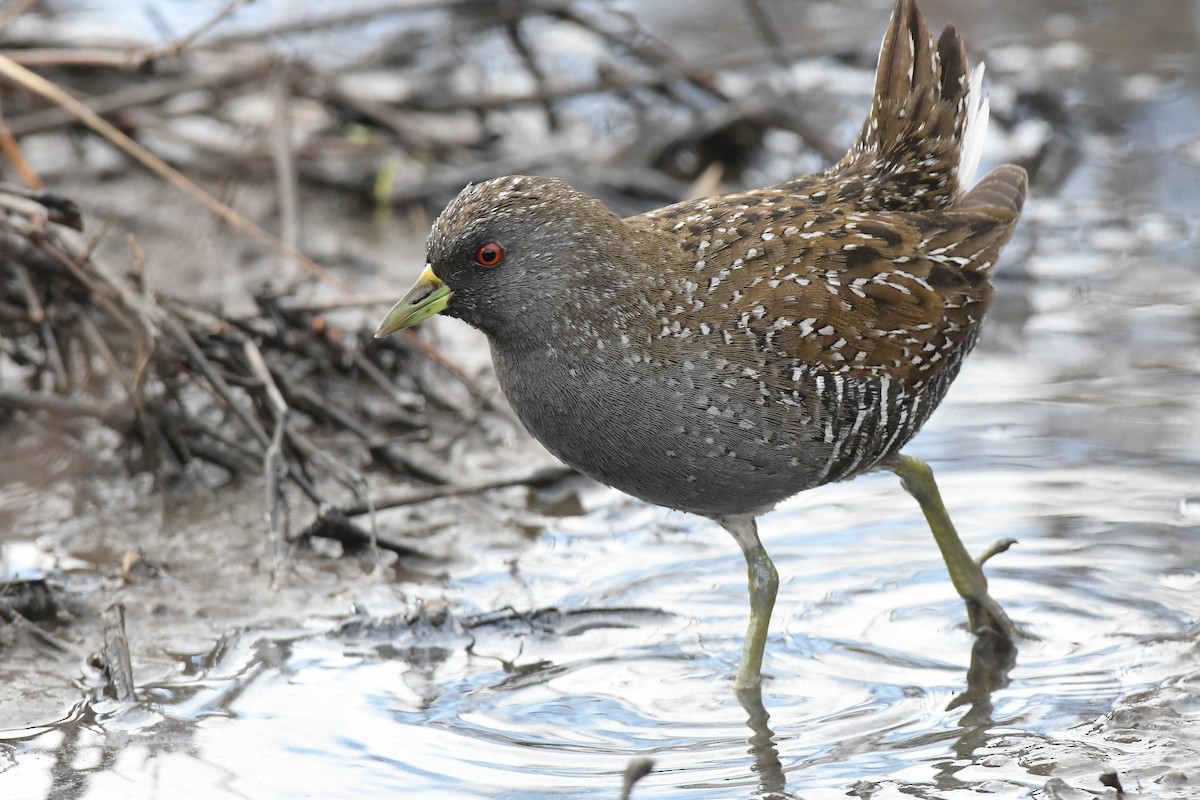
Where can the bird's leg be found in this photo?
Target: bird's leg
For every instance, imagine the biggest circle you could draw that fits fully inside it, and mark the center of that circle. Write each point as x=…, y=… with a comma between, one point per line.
x=965, y=572
x=764, y=584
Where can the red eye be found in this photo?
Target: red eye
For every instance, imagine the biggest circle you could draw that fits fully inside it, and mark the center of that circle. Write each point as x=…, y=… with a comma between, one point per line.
x=489, y=255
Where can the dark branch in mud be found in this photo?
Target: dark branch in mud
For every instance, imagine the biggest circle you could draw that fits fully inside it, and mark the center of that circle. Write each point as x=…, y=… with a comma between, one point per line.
x=335, y=523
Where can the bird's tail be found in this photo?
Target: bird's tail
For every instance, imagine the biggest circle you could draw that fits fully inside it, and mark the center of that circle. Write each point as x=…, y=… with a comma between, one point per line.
x=921, y=143
x=988, y=216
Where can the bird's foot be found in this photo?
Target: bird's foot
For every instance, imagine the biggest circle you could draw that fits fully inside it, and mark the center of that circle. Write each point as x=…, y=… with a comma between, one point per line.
x=986, y=616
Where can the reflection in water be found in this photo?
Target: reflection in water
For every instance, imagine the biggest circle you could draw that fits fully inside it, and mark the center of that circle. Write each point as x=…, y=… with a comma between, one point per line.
x=992, y=658
x=771, y=781
x=638, y=768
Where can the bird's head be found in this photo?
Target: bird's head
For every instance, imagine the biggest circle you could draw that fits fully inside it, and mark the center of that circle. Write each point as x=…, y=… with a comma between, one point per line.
x=511, y=251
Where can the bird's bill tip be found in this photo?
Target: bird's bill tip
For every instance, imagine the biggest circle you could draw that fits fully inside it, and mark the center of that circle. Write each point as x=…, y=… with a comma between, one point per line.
x=427, y=297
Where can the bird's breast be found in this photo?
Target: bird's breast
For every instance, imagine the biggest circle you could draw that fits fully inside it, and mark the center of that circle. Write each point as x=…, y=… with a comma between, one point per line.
x=694, y=437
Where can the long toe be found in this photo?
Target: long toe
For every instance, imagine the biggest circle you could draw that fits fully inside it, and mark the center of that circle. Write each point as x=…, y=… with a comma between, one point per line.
x=986, y=615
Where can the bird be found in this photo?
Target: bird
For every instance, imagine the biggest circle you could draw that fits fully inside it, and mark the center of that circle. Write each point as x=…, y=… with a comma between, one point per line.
x=720, y=355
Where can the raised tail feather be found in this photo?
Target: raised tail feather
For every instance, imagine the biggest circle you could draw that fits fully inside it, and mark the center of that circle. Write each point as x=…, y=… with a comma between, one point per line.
x=989, y=213
x=1001, y=191
x=922, y=140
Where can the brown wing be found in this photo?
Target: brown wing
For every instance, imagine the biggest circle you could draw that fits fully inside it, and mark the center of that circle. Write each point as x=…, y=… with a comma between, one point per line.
x=898, y=293
x=863, y=294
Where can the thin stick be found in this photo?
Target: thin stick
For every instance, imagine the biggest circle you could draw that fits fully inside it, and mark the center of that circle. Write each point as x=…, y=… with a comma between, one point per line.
x=115, y=417
x=22, y=204
x=11, y=616
x=78, y=57
x=39, y=85
x=357, y=14
x=516, y=35
x=93, y=288
x=37, y=311
x=201, y=362
x=92, y=335
x=353, y=480
x=176, y=47
x=275, y=465
x=139, y=95
x=284, y=160
x=408, y=497
x=12, y=151
x=405, y=401
x=223, y=390
x=334, y=522
x=339, y=303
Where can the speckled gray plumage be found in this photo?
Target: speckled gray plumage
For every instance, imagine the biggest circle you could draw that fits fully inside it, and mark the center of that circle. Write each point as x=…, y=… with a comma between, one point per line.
x=719, y=355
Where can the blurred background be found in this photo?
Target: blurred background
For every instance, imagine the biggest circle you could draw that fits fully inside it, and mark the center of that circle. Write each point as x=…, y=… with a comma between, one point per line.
x=521, y=633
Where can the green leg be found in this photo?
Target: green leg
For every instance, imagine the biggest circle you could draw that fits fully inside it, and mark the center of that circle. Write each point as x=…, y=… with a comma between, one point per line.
x=764, y=584
x=965, y=572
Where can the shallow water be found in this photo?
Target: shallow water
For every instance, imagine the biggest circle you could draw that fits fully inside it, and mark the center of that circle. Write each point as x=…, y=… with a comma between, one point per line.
x=1074, y=428
x=868, y=652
